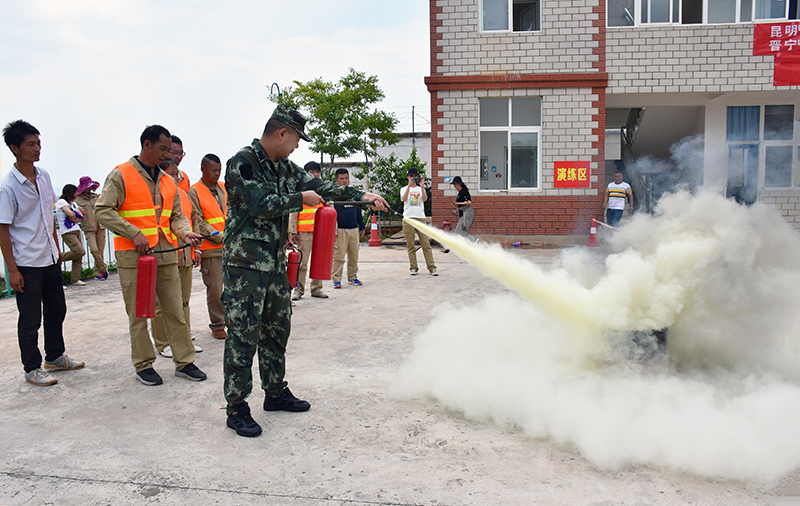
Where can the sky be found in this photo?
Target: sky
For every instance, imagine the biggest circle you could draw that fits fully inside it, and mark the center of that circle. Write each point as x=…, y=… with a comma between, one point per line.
x=92, y=74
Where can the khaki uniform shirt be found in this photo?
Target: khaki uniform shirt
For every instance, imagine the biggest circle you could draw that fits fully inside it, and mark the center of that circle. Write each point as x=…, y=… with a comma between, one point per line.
x=112, y=198
x=86, y=205
x=203, y=228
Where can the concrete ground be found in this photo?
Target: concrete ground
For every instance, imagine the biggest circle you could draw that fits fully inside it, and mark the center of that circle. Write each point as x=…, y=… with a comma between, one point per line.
x=100, y=437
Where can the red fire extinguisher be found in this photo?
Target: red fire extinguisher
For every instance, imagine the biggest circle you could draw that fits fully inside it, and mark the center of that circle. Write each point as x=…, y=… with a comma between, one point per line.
x=324, y=239
x=146, y=286
x=293, y=267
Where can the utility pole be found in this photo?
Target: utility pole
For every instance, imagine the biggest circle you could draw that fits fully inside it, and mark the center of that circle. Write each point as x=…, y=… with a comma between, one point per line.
x=413, y=135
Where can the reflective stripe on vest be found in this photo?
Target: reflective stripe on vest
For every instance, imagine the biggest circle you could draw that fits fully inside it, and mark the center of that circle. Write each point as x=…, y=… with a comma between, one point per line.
x=212, y=214
x=139, y=210
x=305, y=218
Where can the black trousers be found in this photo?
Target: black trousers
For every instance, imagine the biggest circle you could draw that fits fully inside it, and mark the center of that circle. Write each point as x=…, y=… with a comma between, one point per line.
x=43, y=290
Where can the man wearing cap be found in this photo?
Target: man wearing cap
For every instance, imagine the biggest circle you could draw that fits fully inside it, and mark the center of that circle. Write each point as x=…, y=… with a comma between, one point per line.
x=414, y=197
x=209, y=208
x=264, y=187
x=301, y=233
x=94, y=232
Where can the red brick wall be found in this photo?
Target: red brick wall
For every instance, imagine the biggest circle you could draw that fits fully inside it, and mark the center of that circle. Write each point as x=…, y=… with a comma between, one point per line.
x=507, y=214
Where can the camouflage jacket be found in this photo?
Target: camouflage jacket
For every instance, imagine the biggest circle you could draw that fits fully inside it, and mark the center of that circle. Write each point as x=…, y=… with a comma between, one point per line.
x=261, y=195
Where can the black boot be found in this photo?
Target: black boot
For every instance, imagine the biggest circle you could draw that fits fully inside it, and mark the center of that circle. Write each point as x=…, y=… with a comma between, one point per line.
x=286, y=402
x=243, y=423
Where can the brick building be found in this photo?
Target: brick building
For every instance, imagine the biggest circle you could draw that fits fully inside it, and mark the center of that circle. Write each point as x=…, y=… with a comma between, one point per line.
x=522, y=87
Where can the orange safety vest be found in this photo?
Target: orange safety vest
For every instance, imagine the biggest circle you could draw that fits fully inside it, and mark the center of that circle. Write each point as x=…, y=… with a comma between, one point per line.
x=139, y=210
x=184, y=184
x=305, y=218
x=212, y=214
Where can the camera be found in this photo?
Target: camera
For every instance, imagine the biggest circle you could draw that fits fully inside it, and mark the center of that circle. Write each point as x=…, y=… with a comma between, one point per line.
x=417, y=180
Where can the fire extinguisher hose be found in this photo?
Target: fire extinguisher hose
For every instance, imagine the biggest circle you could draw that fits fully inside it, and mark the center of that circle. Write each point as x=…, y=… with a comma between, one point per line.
x=181, y=247
x=360, y=203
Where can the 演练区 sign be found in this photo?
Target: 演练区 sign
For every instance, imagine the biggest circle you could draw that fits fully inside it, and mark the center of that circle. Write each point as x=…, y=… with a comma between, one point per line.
x=572, y=175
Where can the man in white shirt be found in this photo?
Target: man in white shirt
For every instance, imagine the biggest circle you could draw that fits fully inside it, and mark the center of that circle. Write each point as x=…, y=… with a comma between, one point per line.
x=617, y=194
x=30, y=249
x=414, y=197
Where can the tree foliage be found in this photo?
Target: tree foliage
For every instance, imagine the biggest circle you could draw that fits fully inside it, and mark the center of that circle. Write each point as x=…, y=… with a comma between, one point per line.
x=342, y=119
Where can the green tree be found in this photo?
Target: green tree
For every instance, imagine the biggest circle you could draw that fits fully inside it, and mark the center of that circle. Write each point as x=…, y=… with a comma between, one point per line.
x=342, y=119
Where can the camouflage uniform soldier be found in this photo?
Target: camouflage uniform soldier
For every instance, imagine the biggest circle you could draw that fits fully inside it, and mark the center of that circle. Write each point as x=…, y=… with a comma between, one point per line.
x=264, y=187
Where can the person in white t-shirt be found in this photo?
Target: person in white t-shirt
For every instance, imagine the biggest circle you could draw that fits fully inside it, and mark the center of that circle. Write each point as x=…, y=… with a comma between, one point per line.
x=617, y=194
x=68, y=216
x=414, y=197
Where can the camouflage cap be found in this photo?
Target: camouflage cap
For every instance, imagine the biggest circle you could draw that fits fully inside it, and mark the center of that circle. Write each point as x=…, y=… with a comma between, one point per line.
x=294, y=119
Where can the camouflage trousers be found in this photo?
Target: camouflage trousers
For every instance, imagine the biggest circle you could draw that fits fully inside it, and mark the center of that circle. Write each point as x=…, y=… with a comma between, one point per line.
x=258, y=314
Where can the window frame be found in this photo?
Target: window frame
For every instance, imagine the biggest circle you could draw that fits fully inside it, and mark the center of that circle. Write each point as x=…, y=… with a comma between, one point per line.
x=764, y=144
x=510, y=20
x=509, y=130
x=676, y=8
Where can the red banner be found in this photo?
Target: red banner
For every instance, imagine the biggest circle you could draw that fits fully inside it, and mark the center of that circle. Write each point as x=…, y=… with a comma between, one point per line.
x=572, y=175
x=782, y=40
x=774, y=38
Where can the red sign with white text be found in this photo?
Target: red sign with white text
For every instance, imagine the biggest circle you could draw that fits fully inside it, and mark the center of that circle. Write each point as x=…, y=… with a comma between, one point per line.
x=782, y=40
x=571, y=175
x=773, y=38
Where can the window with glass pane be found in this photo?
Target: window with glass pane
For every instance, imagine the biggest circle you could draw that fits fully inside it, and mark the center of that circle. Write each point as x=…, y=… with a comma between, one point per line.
x=656, y=11
x=771, y=9
x=721, y=11
x=494, y=150
x=746, y=11
x=510, y=130
x=526, y=15
x=620, y=13
x=778, y=166
x=743, y=123
x=494, y=112
x=524, y=160
x=526, y=112
x=495, y=14
x=778, y=122
x=523, y=15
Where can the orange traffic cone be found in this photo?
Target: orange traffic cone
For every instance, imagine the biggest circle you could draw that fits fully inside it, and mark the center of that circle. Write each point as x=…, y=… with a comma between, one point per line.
x=374, y=238
x=593, y=234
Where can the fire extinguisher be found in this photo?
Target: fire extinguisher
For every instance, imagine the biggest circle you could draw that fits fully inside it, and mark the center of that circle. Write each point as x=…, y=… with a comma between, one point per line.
x=293, y=267
x=324, y=239
x=146, y=286
x=146, y=275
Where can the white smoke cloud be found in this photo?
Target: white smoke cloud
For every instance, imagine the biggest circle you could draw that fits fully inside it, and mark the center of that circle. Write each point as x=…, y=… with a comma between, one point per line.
x=559, y=361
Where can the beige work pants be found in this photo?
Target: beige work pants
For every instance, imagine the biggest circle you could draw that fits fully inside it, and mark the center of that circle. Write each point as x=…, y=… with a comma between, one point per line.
x=168, y=294
x=425, y=243
x=75, y=253
x=346, y=245
x=211, y=269
x=97, y=243
x=157, y=325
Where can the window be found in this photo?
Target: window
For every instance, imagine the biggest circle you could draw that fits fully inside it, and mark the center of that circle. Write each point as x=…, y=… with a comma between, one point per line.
x=520, y=15
x=510, y=133
x=760, y=141
x=643, y=12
